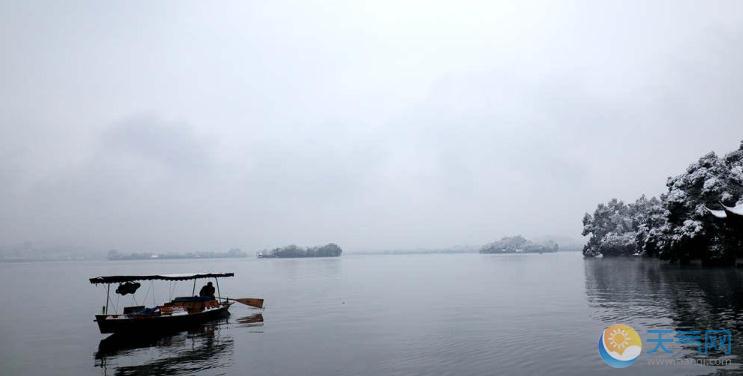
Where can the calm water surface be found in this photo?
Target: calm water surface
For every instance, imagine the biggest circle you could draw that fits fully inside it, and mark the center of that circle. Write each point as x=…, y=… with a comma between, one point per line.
x=459, y=315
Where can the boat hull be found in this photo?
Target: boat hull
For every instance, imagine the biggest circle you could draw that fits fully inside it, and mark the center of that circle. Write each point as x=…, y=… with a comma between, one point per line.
x=158, y=324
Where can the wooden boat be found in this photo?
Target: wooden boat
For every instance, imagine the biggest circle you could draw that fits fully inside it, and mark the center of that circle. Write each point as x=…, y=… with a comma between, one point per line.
x=178, y=314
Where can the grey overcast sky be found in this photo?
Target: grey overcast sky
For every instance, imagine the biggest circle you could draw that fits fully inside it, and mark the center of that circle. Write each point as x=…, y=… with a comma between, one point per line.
x=191, y=125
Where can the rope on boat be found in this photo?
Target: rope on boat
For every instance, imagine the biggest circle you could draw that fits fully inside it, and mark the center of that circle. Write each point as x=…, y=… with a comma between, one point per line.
x=116, y=305
x=170, y=297
x=147, y=293
x=106, y=306
x=152, y=284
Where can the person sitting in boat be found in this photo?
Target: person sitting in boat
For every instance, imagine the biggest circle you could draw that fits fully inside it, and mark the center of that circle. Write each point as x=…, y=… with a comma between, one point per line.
x=207, y=291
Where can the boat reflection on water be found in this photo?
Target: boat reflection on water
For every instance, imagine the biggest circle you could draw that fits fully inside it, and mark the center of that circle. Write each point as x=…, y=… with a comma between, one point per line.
x=208, y=346
x=655, y=295
x=252, y=320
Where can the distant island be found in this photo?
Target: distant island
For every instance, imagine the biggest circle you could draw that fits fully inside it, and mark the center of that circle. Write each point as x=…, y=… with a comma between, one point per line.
x=519, y=244
x=115, y=255
x=699, y=220
x=292, y=251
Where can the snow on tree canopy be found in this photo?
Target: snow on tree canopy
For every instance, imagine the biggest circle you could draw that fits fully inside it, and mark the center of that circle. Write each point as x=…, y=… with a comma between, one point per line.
x=519, y=244
x=684, y=223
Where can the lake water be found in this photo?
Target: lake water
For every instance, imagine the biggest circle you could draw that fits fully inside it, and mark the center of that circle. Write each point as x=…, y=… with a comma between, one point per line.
x=449, y=314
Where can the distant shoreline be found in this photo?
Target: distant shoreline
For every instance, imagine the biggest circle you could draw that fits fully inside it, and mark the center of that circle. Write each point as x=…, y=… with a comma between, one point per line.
x=114, y=255
x=167, y=257
x=364, y=253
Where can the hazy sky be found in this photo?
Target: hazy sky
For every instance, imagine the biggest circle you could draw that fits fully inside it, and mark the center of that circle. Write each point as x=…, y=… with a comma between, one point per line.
x=147, y=126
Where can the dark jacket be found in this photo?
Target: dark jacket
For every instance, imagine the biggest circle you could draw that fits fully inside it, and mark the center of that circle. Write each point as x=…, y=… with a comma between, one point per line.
x=207, y=291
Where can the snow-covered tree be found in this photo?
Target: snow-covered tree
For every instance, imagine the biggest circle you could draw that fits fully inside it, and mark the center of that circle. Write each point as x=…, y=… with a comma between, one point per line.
x=613, y=221
x=650, y=223
x=619, y=229
x=328, y=250
x=518, y=244
x=694, y=234
x=677, y=226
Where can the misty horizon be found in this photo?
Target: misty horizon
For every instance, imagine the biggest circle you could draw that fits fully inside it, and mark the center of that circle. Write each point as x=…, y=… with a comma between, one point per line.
x=147, y=127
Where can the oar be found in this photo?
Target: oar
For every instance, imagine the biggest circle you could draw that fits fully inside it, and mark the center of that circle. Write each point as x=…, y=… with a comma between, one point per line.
x=253, y=302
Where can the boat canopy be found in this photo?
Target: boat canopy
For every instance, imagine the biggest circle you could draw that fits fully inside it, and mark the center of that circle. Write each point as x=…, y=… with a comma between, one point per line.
x=162, y=277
